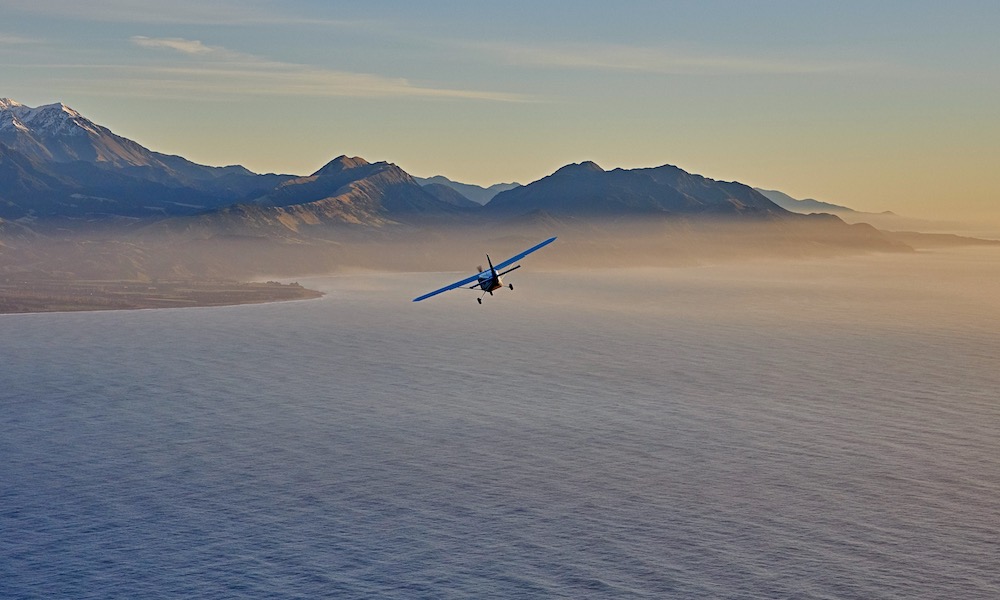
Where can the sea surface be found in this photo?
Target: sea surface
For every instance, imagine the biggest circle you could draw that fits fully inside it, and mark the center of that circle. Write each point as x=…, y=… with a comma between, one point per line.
x=798, y=429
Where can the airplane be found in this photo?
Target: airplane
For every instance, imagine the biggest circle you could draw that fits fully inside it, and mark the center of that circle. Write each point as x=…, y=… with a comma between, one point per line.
x=489, y=280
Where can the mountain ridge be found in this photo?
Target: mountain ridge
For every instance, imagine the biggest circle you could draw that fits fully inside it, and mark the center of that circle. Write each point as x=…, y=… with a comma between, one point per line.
x=77, y=156
x=476, y=193
x=347, y=191
x=587, y=189
x=805, y=206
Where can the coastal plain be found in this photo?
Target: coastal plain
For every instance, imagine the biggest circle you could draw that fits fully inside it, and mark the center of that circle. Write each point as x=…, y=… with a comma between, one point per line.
x=55, y=295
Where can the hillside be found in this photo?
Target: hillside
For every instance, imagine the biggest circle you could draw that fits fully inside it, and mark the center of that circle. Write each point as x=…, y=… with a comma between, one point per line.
x=55, y=163
x=803, y=206
x=585, y=189
x=477, y=193
x=346, y=192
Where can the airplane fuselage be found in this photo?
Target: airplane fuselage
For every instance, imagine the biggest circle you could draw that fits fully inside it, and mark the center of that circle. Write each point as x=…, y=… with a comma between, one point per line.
x=488, y=283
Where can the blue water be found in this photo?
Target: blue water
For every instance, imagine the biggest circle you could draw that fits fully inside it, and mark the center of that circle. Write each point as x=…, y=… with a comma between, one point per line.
x=805, y=430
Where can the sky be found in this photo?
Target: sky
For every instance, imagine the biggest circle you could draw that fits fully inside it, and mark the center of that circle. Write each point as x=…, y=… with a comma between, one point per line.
x=886, y=105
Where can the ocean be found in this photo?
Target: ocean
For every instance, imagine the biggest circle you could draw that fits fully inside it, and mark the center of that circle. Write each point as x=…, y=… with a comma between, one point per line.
x=796, y=429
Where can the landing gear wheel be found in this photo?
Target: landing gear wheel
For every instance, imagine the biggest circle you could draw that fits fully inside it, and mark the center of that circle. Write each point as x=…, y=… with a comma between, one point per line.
x=479, y=300
x=511, y=286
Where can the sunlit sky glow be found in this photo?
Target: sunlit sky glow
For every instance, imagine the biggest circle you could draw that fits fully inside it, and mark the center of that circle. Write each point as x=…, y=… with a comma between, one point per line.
x=889, y=105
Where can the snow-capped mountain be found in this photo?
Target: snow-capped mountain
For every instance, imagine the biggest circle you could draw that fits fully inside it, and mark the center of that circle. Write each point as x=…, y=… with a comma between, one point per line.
x=57, y=133
x=55, y=161
x=10, y=116
x=50, y=119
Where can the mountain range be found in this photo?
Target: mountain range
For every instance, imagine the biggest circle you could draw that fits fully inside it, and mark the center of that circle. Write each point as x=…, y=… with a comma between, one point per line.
x=57, y=164
x=886, y=220
x=63, y=175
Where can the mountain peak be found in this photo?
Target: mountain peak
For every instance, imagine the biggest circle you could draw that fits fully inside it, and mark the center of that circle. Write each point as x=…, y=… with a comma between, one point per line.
x=587, y=166
x=60, y=108
x=7, y=104
x=340, y=164
x=49, y=119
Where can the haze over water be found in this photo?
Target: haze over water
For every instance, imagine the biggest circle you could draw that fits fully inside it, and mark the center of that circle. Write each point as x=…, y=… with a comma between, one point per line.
x=808, y=429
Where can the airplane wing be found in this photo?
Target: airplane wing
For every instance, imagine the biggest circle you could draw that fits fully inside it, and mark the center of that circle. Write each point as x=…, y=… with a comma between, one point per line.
x=517, y=257
x=496, y=267
x=457, y=284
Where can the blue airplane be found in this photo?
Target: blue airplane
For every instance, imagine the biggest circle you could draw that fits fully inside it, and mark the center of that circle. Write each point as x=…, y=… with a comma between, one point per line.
x=488, y=280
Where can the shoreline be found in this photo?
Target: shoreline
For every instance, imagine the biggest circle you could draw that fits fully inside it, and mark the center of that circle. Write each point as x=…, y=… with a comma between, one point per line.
x=26, y=296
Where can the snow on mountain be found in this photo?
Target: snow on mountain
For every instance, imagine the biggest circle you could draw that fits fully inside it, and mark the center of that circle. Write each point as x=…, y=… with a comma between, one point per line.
x=48, y=120
x=10, y=113
x=11, y=106
x=55, y=149
x=57, y=133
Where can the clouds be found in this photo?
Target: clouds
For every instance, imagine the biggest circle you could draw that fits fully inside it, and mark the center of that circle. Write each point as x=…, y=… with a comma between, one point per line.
x=178, y=44
x=217, y=70
x=7, y=39
x=658, y=60
x=144, y=11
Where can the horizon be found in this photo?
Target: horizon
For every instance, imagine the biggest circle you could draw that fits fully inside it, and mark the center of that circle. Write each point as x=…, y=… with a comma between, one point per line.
x=879, y=108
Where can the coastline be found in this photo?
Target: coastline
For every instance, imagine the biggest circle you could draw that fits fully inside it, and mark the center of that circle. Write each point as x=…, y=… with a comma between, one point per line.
x=22, y=296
